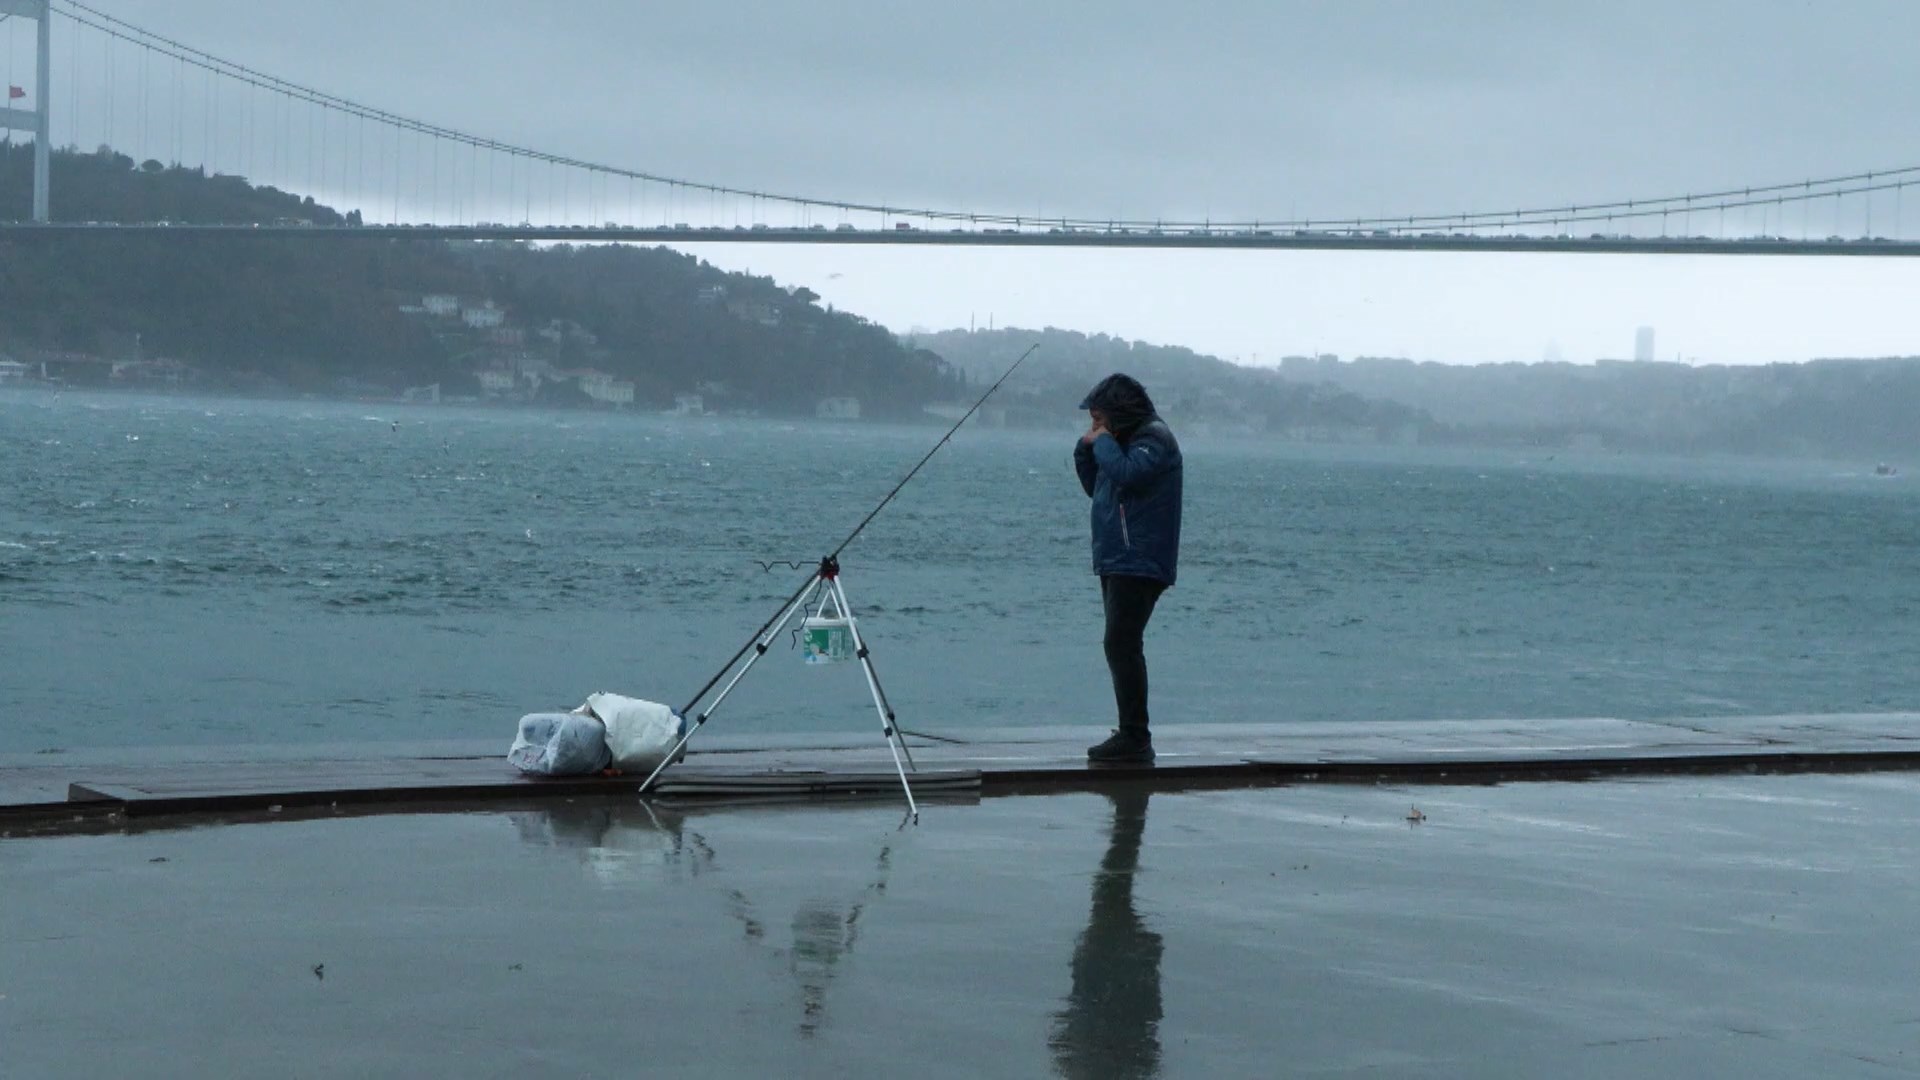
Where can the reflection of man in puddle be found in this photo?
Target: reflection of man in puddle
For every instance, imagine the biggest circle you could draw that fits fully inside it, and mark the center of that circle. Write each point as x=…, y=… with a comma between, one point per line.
x=1111, y=1024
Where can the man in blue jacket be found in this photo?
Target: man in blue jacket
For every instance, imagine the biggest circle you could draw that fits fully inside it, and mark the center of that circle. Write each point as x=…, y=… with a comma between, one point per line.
x=1129, y=463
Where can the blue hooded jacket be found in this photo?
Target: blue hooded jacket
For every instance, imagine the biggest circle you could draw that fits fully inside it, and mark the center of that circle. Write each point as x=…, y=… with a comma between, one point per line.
x=1134, y=477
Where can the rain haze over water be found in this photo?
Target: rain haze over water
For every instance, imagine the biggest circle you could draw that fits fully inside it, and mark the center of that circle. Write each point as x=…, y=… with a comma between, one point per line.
x=197, y=571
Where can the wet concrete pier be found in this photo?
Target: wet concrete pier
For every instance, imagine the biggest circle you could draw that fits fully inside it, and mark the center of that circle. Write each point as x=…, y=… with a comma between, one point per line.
x=75, y=787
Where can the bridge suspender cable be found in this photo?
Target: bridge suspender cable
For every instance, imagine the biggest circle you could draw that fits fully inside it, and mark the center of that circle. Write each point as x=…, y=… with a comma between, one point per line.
x=1770, y=195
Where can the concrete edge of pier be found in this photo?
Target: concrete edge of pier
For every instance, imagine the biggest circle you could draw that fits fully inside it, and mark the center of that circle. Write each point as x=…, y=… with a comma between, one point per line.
x=96, y=789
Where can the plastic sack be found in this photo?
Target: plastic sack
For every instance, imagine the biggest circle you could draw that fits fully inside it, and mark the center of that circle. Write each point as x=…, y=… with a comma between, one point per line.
x=559, y=744
x=640, y=734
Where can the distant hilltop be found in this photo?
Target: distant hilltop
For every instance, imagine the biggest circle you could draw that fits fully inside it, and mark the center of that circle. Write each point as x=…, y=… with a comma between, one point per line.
x=1828, y=407
x=1203, y=394
x=603, y=326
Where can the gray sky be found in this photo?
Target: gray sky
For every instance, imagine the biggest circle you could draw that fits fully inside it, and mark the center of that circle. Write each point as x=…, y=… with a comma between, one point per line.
x=1229, y=110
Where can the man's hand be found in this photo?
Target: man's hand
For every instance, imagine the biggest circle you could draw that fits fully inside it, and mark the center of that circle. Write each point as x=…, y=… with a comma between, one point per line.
x=1098, y=429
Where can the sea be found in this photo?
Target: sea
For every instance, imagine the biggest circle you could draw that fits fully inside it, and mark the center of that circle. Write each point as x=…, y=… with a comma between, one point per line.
x=200, y=571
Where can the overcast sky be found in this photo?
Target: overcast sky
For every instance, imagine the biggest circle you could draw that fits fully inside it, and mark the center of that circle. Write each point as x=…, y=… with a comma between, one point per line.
x=1231, y=110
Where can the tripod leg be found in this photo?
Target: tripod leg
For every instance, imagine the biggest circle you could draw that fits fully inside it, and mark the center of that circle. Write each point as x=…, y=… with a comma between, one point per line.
x=892, y=722
x=886, y=710
x=879, y=691
x=891, y=730
x=759, y=650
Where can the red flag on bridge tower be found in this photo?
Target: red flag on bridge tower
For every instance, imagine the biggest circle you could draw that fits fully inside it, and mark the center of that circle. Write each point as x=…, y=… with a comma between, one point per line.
x=15, y=92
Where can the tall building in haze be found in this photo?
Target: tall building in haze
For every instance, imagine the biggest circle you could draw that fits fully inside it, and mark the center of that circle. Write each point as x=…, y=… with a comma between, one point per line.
x=1643, y=344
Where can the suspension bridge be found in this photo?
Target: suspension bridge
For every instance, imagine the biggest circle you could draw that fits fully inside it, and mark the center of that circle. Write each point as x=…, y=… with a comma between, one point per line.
x=168, y=105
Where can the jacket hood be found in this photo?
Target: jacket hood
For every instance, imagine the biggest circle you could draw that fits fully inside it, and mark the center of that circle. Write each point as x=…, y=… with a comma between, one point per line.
x=1124, y=401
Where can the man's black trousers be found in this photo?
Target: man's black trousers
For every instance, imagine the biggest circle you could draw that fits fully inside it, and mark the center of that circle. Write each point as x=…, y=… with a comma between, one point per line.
x=1129, y=604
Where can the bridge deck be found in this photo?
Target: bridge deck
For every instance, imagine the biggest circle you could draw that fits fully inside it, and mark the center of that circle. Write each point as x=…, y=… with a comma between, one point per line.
x=77, y=789
x=1306, y=240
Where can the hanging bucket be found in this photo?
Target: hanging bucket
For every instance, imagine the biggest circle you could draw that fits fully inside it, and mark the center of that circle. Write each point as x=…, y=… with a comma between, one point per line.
x=826, y=639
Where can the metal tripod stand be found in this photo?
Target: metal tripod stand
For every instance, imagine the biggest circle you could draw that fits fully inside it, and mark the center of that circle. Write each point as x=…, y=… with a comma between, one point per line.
x=824, y=584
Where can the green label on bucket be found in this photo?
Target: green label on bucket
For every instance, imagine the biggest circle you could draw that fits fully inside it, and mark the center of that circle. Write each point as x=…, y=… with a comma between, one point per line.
x=825, y=641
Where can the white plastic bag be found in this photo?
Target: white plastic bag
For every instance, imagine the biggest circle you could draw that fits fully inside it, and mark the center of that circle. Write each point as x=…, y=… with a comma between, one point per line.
x=639, y=733
x=559, y=744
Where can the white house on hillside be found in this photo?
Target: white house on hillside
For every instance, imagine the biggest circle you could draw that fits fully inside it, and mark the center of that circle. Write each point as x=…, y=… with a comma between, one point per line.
x=493, y=382
x=484, y=317
x=604, y=388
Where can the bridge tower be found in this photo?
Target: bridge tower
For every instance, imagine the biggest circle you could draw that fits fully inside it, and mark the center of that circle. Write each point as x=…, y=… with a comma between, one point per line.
x=35, y=119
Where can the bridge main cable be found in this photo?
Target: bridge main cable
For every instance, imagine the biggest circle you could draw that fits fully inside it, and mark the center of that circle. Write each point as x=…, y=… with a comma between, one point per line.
x=1628, y=209
x=122, y=30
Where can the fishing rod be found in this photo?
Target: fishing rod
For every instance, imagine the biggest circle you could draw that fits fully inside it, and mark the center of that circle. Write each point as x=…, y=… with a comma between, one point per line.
x=826, y=576
x=857, y=530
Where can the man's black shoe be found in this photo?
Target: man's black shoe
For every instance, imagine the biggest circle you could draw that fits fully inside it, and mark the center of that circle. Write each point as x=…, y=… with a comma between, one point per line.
x=1123, y=748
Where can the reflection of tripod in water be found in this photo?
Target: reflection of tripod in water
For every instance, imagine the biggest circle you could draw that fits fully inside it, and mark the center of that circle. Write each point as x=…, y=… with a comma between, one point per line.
x=623, y=843
x=829, y=637
x=824, y=931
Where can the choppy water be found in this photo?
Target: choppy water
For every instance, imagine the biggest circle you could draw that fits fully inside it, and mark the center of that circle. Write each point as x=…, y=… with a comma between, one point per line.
x=188, y=571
